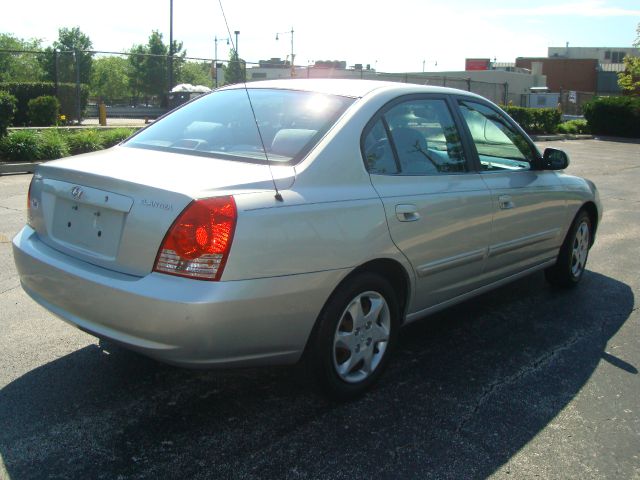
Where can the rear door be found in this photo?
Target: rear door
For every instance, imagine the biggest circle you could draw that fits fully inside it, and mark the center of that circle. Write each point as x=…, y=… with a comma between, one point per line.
x=528, y=203
x=438, y=208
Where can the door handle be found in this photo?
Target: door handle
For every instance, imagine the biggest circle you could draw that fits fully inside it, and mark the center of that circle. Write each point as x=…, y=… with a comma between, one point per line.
x=407, y=213
x=505, y=202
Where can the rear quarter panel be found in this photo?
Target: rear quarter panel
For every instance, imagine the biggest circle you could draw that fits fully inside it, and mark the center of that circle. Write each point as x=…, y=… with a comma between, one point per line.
x=330, y=218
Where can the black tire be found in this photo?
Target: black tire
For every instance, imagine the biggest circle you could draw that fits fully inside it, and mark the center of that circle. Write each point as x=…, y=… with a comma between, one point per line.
x=329, y=361
x=572, y=259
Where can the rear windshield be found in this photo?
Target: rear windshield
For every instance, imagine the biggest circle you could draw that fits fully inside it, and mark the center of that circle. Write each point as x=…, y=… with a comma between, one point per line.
x=222, y=125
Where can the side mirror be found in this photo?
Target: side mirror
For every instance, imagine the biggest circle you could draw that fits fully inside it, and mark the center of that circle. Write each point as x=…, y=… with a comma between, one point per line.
x=554, y=159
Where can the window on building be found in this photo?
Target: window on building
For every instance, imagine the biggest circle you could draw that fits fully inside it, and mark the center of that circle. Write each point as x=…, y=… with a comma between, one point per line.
x=617, y=57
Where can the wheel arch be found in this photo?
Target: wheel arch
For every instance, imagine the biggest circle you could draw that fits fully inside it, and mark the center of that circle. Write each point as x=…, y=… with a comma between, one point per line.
x=391, y=270
x=395, y=273
x=592, y=211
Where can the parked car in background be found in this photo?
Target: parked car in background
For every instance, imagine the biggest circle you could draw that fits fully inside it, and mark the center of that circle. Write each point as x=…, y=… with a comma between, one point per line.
x=300, y=220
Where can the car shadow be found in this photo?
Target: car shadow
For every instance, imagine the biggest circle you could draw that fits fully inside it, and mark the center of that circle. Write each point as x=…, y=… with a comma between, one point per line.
x=467, y=389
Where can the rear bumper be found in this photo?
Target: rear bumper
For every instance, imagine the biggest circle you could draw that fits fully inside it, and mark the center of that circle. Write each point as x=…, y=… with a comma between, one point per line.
x=173, y=319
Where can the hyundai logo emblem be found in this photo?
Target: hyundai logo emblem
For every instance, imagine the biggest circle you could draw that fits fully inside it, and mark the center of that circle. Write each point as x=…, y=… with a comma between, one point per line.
x=77, y=192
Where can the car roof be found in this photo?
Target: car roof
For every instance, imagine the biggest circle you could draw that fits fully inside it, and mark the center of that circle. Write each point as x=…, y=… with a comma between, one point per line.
x=355, y=88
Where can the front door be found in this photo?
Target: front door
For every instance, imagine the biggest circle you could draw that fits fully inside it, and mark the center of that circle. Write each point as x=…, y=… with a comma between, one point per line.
x=528, y=204
x=438, y=209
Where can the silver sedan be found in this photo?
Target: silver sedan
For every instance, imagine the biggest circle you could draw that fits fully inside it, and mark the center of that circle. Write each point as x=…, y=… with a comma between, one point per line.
x=300, y=220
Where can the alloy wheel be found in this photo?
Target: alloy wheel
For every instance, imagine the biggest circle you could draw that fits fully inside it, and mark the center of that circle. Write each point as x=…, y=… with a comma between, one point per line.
x=361, y=337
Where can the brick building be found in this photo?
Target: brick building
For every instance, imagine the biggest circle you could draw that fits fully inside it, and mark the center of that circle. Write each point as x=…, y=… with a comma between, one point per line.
x=564, y=73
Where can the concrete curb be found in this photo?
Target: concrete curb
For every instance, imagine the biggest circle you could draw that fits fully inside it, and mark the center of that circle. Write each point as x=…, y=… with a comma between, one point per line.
x=22, y=167
x=560, y=136
x=79, y=127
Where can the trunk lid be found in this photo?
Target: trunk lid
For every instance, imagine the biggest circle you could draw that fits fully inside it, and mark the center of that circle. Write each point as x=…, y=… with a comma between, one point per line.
x=113, y=208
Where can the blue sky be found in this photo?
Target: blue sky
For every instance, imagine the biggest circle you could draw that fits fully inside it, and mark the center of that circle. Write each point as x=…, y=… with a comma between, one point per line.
x=392, y=35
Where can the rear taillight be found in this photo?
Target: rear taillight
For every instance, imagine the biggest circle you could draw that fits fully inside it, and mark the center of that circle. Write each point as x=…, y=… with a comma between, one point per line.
x=197, y=244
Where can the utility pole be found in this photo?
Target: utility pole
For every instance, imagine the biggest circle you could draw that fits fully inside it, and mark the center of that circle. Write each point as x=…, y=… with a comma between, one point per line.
x=237, y=32
x=76, y=56
x=170, y=45
x=215, y=57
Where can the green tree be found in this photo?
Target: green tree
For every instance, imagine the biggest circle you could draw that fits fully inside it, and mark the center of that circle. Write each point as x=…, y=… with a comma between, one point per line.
x=137, y=62
x=71, y=42
x=149, y=74
x=156, y=67
x=196, y=73
x=20, y=67
x=236, y=69
x=110, y=78
x=629, y=80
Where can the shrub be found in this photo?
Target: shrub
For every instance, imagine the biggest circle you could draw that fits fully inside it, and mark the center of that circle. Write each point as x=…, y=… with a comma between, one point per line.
x=617, y=116
x=25, y=91
x=574, y=127
x=115, y=136
x=84, y=141
x=7, y=111
x=535, y=120
x=52, y=145
x=43, y=111
x=20, y=146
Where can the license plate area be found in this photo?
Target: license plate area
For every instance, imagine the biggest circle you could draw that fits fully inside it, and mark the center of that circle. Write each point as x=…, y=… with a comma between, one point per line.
x=88, y=227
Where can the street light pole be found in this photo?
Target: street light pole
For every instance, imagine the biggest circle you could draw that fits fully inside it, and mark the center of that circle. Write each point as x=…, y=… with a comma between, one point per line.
x=293, y=68
x=293, y=57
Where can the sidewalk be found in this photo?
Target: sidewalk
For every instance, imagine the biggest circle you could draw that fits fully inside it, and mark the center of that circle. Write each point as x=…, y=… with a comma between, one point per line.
x=115, y=122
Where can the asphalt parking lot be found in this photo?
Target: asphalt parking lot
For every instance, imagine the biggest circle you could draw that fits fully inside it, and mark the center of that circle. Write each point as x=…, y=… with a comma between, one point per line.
x=521, y=382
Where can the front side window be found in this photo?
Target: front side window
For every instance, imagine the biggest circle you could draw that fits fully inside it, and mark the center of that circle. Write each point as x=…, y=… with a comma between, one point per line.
x=415, y=137
x=222, y=125
x=499, y=145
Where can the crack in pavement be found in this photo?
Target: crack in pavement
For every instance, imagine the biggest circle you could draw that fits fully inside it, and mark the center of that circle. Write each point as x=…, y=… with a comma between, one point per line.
x=9, y=289
x=526, y=370
x=12, y=209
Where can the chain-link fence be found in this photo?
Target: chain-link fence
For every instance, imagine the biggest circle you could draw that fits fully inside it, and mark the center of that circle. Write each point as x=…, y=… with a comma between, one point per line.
x=571, y=102
x=135, y=84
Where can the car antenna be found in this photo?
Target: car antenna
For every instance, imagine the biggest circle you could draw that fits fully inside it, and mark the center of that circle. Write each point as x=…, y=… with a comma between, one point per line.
x=278, y=196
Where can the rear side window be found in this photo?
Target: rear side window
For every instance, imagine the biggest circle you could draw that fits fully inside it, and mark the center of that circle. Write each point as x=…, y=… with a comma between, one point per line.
x=222, y=125
x=414, y=137
x=378, y=154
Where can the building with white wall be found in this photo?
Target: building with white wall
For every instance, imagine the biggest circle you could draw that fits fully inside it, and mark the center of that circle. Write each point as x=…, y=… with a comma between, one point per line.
x=500, y=86
x=604, y=55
